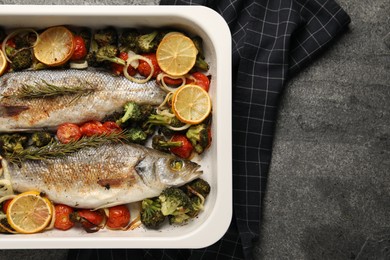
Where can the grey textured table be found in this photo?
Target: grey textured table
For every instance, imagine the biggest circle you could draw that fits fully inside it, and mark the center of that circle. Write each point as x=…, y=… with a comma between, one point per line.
x=329, y=185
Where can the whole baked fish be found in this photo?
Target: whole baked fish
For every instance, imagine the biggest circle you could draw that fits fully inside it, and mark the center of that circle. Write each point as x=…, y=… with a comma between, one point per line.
x=104, y=94
x=109, y=175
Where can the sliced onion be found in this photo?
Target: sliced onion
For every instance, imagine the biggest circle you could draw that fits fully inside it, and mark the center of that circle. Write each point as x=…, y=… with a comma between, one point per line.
x=138, y=80
x=181, y=128
x=134, y=63
x=8, y=197
x=78, y=65
x=15, y=33
x=134, y=224
x=164, y=86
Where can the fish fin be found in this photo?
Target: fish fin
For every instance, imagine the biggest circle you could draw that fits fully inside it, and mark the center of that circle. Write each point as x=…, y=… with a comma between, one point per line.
x=10, y=111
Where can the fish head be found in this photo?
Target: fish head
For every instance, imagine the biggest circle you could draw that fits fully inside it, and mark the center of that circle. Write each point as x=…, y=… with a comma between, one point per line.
x=174, y=171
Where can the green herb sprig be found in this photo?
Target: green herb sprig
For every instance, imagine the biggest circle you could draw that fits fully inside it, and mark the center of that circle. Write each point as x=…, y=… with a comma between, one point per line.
x=56, y=149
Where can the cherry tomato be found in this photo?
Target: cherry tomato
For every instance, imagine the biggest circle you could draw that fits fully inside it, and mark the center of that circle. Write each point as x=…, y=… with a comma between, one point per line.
x=90, y=219
x=11, y=43
x=118, y=217
x=144, y=68
x=80, y=51
x=183, y=151
x=91, y=128
x=62, y=219
x=172, y=82
x=111, y=127
x=68, y=132
x=200, y=79
x=5, y=205
x=117, y=69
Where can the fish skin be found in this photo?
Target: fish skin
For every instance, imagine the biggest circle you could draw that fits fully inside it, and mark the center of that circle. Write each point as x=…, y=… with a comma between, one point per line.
x=109, y=175
x=112, y=92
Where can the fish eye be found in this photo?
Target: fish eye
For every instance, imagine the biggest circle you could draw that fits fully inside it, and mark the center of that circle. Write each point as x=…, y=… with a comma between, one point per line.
x=176, y=164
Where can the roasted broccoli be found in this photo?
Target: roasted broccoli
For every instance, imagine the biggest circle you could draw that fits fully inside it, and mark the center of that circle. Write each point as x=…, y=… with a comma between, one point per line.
x=40, y=139
x=199, y=137
x=24, y=40
x=136, y=135
x=151, y=215
x=91, y=55
x=12, y=143
x=160, y=143
x=109, y=53
x=197, y=190
x=107, y=36
x=21, y=59
x=175, y=204
x=135, y=112
x=128, y=40
x=164, y=120
x=146, y=43
x=200, y=63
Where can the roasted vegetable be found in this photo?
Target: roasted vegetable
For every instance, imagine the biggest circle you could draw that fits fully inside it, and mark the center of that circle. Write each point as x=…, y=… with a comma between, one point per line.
x=109, y=53
x=160, y=143
x=106, y=36
x=136, y=135
x=12, y=143
x=151, y=215
x=199, y=137
x=164, y=120
x=128, y=40
x=21, y=59
x=175, y=204
x=40, y=139
x=197, y=190
x=146, y=42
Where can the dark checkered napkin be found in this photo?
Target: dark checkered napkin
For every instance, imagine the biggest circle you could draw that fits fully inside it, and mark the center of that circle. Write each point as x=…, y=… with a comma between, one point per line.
x=272, y=40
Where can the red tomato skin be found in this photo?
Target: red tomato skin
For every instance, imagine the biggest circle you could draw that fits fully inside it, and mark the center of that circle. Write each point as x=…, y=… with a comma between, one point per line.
x=118, y=217
x=183, y=151
x=172, y=82
x=68, y=132
x=200, y=79
x=111, y=127
x=91, y=128
x=144, y=68
x=117, y=69
x=62, y=217
x=80, y=51
x=91, y=218
x=5, y=205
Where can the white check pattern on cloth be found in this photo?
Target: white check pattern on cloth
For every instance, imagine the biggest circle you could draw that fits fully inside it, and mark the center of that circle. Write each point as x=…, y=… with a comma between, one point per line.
x=272, y=40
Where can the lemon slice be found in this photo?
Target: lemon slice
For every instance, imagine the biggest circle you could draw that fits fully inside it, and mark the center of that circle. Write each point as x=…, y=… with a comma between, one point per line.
x=55, y=46
x=176, y=54
x=29, y=212
x=3, y=63
x=191, y=104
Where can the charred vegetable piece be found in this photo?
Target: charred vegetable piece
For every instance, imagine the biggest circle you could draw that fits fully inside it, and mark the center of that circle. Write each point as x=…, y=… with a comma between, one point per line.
x=199, y=137
x=136, y=135
x=21, y=59
x=107, y=36
x=12, y=143
x=146, y=42
x=128, y=40
x=151, y=215
x=175, y=204
x=40, y=139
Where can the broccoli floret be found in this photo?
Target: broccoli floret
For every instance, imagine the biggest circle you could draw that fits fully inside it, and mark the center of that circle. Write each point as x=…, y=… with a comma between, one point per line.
x=40, y=139
x=109, y=53
x=198, y=186
x=175, y=204
x=107, y=36
x=132, y=112
x=146, y=42
x=199, y=137
x=160, y=143
x=21, y=59
x=164, y=120
x=128, y=40
x=91, y=56
x=201, y=64
x=24, y=40
x=197, y=190
x=151, y=215
x=136, y=135
x=13, y=143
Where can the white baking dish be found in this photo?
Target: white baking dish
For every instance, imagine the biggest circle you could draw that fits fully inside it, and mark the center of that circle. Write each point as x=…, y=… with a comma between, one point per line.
x=213, y=222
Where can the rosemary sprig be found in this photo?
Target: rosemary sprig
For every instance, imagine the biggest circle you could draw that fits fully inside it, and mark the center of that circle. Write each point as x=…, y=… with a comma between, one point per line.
x=57, y=150
x=44, y=89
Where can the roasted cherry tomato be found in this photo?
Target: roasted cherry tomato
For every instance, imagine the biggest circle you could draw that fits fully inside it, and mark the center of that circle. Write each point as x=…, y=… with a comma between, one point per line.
x=172, y=82
x=200, y=79
x=91, y=128
x=118, y=217
x=117, y=69
x=80, y=51
x=183, y=151
x=111, y=127
x=62, y=218
x=144, y=68
x=11, y=43
x=90, y=219
x=68, y=132
x=5, y=205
